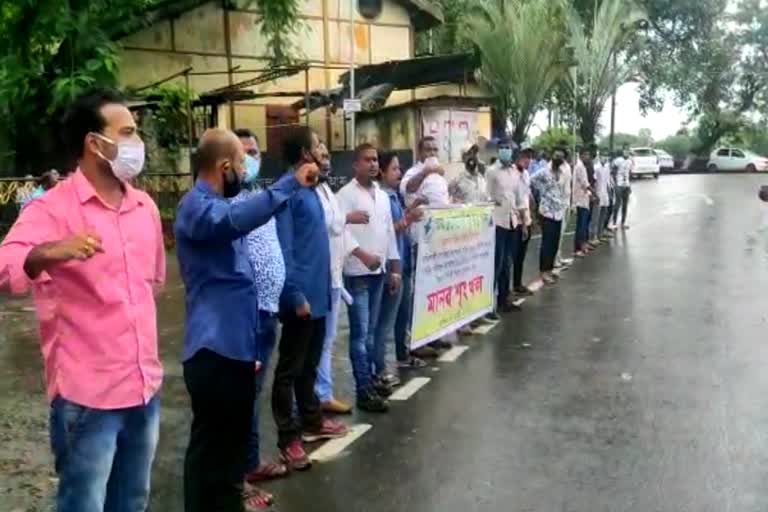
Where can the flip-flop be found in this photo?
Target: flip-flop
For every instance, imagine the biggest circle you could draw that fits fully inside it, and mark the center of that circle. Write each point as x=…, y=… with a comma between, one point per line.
x=267, y=471
x=257, y=500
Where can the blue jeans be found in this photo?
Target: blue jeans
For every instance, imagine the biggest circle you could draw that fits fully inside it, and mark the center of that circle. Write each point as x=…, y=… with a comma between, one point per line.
x=385, y=329
x=267, y=338
x=582, y=228
x=403, y=320
x=103, y=457
x=324, y=383
x=366, y=292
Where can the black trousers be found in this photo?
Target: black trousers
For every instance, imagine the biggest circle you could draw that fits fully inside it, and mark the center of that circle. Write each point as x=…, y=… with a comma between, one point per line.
x=301, y=345
x=520, y=245
x=550, y=243
x=505, y=250
x=222, y=392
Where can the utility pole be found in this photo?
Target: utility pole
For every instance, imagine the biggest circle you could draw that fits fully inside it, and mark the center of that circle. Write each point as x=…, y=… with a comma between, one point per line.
x=613, y=111
x=352, y=134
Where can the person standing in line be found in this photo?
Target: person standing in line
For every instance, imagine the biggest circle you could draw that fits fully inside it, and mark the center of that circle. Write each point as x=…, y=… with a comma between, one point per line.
x=551, y=209
x=523, y=230
x=425, y=183
x=504, y=188
x=402, y=218
x=304, y=305
x=566, y=183
x=581, y=200
x=91, y=252
x=623, y=167
x=342, y=245
x=603, y=192
x=365, y=282
x=594, y=214
x=221, y=343
x=266, y=259
x=470, y=186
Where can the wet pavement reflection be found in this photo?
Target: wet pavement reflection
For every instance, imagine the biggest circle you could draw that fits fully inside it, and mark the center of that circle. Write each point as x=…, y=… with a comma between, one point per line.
x=636, y=384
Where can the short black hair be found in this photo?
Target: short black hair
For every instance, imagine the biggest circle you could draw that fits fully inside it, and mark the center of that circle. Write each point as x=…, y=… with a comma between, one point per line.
x=424, y=140
x=299, y=139
x=360, y=149
x=385, y=158
x=84, y=116
x=245, y=133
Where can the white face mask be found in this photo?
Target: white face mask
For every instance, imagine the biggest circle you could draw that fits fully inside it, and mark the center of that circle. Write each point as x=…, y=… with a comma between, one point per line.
x=129, y=161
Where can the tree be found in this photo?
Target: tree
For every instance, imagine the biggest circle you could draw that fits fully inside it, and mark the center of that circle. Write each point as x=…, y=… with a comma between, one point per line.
x=521, y=55
x=555, y=137
x=645, y=137
x=597, y=73
x=679, y=146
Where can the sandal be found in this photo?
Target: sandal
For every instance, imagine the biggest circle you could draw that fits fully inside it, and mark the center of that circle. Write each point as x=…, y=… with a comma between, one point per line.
x=267, y=471
x=256, y=500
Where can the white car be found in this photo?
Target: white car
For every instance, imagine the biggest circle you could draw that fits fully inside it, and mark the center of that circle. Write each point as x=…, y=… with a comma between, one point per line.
x=646, y=163
x=666, y=161
x=735, y=159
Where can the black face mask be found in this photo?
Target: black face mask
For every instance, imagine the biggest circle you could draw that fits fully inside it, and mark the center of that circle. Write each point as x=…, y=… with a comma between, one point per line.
x=556, y=163
x=233, y=184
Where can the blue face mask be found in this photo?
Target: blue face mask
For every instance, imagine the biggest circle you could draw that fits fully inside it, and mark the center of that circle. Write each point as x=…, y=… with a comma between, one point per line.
x=505, y=155
x=252, y=169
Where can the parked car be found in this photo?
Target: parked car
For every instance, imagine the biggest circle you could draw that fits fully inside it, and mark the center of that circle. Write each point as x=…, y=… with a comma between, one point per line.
x=666, y=161
x=735, y=159
x=646, y=162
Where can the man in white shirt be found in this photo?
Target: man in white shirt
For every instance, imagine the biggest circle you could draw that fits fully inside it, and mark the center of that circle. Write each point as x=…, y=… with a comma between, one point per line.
x=582, y=194
x=622, y=169
x=342, y=244
x=505, y=190
x=523, y=229
x=426, y=179
x=365, y=285
x=567, y=184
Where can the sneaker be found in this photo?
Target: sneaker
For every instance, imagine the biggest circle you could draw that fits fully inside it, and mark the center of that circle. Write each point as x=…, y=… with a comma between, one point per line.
x=412, y=362
x=329, y=429
x=523, y=291
x=382, y=389
x=371, y=402
x=390, y=379
x=295, y=457
x=493, y=316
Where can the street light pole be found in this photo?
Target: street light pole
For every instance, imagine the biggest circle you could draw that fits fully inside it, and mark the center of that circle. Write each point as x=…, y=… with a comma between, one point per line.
x=352, y=70
x=613, y=112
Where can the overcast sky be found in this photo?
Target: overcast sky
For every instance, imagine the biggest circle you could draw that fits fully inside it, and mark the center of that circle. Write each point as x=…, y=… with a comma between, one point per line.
x=629, y=119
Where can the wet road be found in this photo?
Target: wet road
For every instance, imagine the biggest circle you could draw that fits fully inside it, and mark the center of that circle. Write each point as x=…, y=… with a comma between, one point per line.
x=636, y=384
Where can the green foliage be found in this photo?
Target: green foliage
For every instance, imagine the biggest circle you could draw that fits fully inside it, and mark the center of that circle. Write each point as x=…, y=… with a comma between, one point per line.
x=679, y=146
x=171, y=117
x=451, y=36
x=554, y=137
x=280, y=21
x=622, y=139
x=522, y=56
x=598, y=73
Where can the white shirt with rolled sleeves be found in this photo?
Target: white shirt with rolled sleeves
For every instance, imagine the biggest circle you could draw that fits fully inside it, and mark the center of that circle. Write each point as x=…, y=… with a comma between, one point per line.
x=623, y=168
x=508, y=190
x=378, y=236
x=342, y=242
x=434, y=188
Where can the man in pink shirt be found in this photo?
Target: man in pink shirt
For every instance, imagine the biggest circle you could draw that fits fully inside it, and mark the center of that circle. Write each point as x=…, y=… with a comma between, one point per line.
x=91, y=251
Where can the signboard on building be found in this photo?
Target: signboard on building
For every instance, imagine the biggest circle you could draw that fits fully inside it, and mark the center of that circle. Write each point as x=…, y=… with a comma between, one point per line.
x=454, y=271
x=454, y=130
x=353, y=105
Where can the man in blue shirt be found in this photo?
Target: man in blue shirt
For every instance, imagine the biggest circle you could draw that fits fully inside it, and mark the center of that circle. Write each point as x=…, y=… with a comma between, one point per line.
x=220, y=345
x=304, y=304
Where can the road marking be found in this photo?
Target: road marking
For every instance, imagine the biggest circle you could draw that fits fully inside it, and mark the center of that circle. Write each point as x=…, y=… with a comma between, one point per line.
x=536, y=285
x=335, y=447
x=484, y=329
x=410, y=389
x=453, y=354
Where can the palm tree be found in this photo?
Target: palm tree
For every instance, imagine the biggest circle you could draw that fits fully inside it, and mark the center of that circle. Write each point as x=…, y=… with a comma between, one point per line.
x=521, y=51
x=598, y=73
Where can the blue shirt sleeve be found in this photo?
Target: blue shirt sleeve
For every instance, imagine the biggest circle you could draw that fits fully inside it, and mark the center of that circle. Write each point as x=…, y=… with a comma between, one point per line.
x=212, y=219
x=291, y=290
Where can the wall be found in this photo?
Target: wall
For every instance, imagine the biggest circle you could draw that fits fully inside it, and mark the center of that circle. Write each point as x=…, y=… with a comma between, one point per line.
x=198, y=39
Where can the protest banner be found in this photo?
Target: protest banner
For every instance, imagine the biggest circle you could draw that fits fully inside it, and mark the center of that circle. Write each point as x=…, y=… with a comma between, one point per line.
x=454, y=271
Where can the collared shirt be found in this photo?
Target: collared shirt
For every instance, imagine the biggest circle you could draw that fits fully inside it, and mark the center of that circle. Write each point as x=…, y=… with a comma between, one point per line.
x=507, y=191
x=221, y=297
x=341, y=240
x=397, y=208
x=434, y=188
x=525, y=197
x=603, y=184
x=378, y=236
x=266, y=258
x=581, y=193
x=98, y=324
x=623, y=168
x=567, y=177
x=468, y=188
x=551, y=191
x=307, y=253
